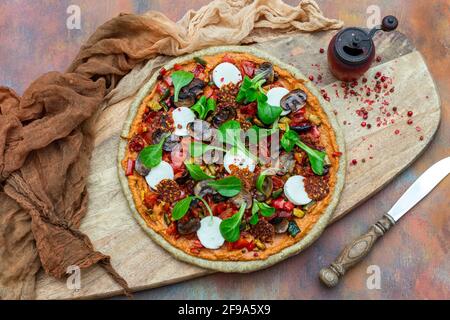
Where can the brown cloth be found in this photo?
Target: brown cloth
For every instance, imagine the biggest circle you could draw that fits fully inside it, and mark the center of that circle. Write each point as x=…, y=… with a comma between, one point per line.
x=46, y=140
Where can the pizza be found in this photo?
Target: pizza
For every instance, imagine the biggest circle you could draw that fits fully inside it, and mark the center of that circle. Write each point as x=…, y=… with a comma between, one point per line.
x=231, y=160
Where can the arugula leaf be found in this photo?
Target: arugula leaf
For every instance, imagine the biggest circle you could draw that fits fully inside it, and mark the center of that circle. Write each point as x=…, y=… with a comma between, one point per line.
x=180, y=79
x=316, y=158
x=266, y=113
x=204, y=106
x=250, y=88
x=227, y=187
x=230, y=228
x=196, y=172
x=197, y=149
x=181, y=208
x=151, y=156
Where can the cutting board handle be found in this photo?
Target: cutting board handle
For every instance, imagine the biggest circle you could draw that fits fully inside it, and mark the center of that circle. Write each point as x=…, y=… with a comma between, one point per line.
x=355, y=252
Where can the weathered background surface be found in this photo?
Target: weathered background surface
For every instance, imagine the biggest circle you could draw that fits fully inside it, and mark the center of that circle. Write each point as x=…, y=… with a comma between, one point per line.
x=413, y=258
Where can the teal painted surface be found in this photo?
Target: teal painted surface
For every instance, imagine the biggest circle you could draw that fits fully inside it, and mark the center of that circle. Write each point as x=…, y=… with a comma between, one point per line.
x=413, y=257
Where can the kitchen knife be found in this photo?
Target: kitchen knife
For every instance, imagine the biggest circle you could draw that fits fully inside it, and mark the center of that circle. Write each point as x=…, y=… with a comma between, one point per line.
x=358, y=249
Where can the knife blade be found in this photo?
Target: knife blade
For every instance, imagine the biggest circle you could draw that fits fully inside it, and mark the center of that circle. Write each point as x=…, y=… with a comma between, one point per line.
x=358, y=249
x=420, y=188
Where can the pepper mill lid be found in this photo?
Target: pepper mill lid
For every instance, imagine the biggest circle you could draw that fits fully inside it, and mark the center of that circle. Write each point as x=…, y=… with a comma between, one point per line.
x=354, y=46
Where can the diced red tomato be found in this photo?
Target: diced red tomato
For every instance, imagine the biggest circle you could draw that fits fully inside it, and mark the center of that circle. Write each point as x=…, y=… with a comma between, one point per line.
x=177, y=67
x=150, y=200
x=243, y=243
x=130, y=167
x=289, y=206
x=163, y=71
x=248, y=68
x=278, y=203
x=198, y=70
x=161, y=87
x=168, y=81
x=281, y=204
x=249, y=109
x=227, y=213
x=219, y=208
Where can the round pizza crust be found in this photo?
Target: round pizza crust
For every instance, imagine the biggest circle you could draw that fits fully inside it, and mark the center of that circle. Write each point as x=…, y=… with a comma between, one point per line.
x=237, y=266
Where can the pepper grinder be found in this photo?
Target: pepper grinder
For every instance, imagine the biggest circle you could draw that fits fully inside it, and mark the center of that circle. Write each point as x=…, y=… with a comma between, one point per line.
x=351, y=51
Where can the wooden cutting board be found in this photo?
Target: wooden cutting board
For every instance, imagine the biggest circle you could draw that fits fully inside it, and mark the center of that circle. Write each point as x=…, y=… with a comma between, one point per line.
x=382, y=152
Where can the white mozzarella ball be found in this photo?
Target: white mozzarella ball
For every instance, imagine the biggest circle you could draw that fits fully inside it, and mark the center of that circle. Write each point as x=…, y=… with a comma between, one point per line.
x=162, y=171
x=239, y=159
x=181, y=117
x=226, y=73
x=274, y=97
x=294, y=190
x=209, y=232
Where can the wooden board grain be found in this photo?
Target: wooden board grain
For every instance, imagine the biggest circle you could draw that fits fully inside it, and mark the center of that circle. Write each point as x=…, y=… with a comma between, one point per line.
x=381, y=153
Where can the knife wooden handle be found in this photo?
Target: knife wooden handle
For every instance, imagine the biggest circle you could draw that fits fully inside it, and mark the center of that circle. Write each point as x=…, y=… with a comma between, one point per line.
x=355, y=252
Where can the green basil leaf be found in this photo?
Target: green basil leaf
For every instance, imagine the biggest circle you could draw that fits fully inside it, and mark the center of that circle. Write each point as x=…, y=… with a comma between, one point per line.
x=151, y=156
x=265, y=209
x=199, y=107
x=260, y=182
x=316, y=158
x=254, y=219
x=266, y=113
x=255, y=209
x=227, y=187
x=289, y=140
x=180, y=79
x=210, y=106
x=181, y=208
x=230, y=132
x=250, y=88
x=196, y=172
x=229, y=228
